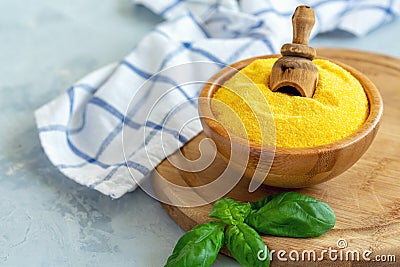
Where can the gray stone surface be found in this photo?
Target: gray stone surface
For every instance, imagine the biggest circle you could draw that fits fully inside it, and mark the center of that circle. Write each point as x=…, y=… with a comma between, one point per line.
x=46, y=219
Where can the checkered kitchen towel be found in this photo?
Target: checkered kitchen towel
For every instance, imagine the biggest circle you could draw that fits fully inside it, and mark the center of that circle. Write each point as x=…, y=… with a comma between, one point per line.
x=130, y=116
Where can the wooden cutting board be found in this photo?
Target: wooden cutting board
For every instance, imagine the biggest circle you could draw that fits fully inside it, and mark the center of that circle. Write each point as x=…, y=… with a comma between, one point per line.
x=366, y=198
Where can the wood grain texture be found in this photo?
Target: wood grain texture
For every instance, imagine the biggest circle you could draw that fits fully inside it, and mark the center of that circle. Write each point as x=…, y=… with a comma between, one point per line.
x=366, y=198
x=303, y=21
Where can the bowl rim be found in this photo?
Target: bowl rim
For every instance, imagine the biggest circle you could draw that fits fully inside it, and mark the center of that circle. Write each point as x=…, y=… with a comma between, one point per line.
x=375, y=105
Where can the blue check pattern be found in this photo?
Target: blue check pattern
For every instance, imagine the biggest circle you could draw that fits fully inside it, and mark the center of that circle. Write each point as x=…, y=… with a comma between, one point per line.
x=110, y=129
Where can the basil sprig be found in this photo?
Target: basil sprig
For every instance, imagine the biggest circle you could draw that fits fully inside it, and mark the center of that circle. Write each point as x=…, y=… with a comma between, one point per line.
x=292, y=215
x=230, y=211
x=289, y=214
x=245, y=245
x=199, y=246
x=261, y=202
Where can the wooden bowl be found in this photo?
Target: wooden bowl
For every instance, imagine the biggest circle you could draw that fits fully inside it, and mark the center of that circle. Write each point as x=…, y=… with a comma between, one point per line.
x=294, y=167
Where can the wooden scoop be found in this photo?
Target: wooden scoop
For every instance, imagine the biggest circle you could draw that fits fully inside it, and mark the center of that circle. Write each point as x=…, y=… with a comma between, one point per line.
x=295, y=73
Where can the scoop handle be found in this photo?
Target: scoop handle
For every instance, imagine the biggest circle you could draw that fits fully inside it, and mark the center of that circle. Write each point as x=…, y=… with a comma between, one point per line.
x=303, y=21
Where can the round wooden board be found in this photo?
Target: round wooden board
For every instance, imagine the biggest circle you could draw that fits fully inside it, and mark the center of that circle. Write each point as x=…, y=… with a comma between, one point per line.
x=366, y=198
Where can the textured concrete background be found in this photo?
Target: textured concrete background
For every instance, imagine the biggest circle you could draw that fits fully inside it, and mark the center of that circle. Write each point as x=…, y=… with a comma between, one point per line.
x=46, y=219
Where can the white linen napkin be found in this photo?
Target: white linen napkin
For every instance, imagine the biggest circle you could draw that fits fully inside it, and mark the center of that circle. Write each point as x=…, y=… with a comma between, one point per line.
x=148, y=99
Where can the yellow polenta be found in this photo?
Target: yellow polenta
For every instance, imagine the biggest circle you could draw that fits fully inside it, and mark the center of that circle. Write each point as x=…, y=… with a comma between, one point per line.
x=338, y=108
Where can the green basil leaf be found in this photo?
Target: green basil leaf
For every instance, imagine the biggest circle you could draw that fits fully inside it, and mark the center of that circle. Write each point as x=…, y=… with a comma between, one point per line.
x=293, y=215
x=230, y=211
x=246, y=246
x=262, y=202
x=199, y=246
